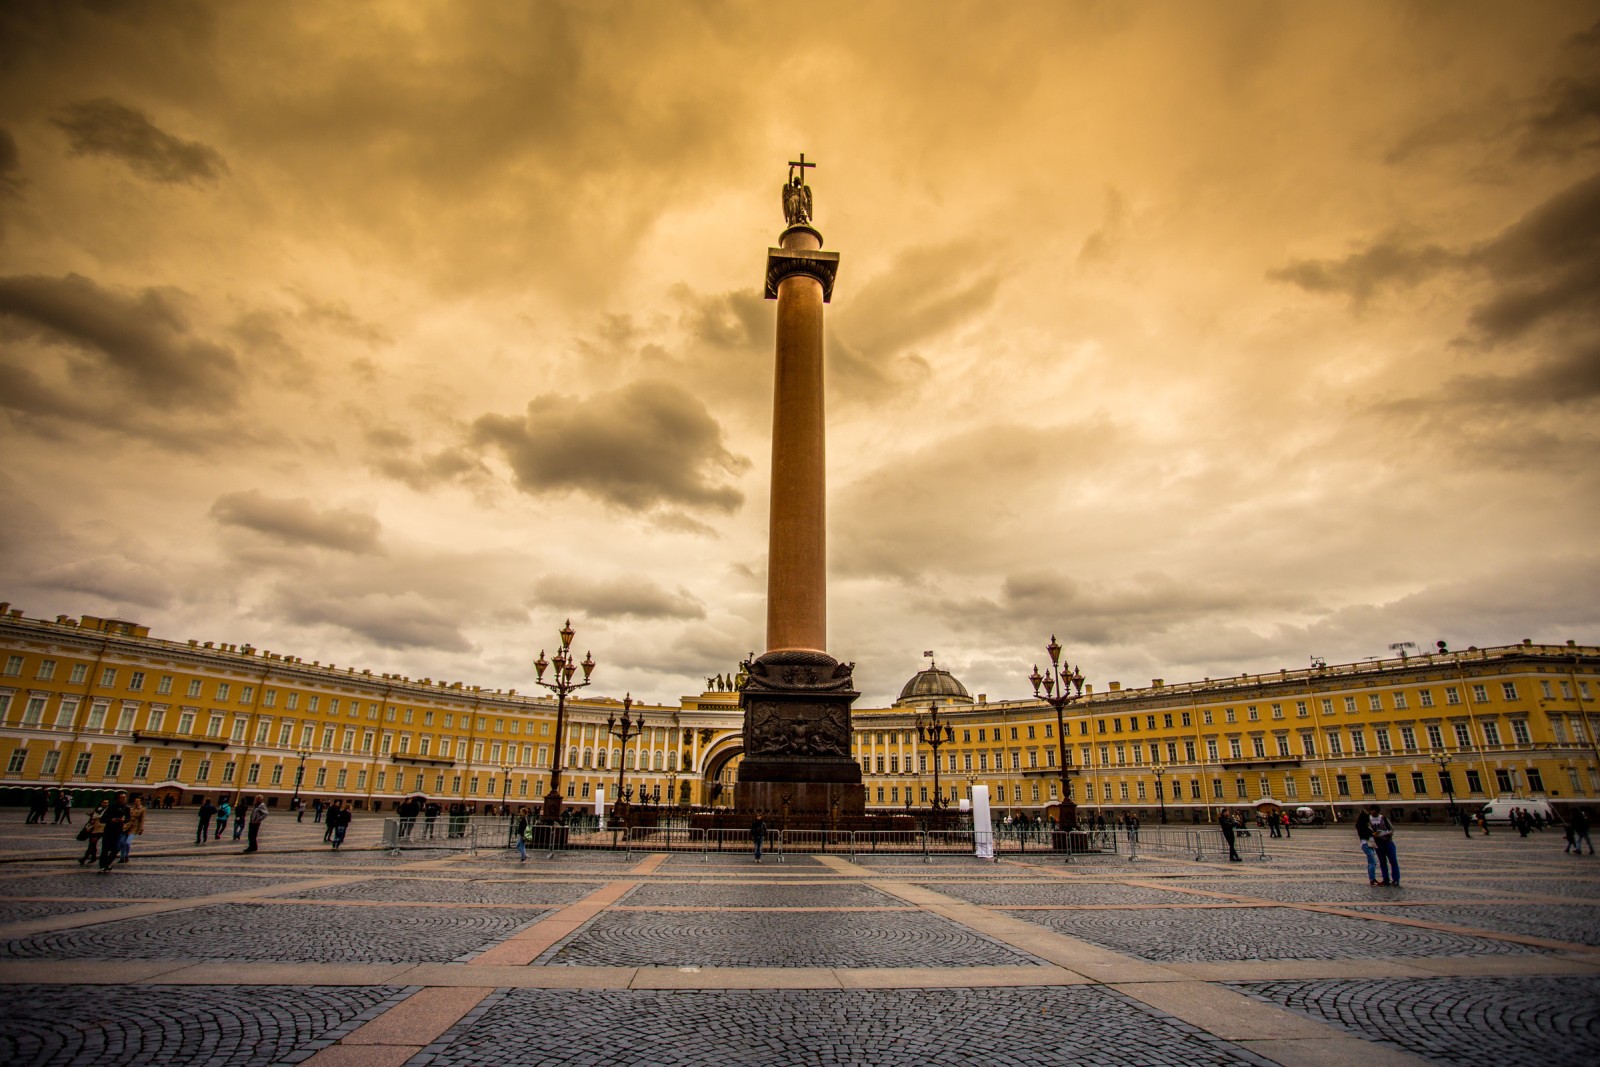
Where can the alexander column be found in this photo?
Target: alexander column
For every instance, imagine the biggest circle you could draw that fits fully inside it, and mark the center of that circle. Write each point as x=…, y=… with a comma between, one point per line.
x=797, y=698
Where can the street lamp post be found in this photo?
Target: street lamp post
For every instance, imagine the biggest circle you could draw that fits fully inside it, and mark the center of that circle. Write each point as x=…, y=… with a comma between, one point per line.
x=561, y=684
x=299, y=776
x=1161, y=795
x=505, y=788
x=622, y=731
x=1063, y=685
x=1444, y=761
x=935, y=735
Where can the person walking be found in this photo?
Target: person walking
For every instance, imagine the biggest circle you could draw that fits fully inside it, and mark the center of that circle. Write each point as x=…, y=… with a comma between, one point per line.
x=522, y=829
x=430, y=815
x=93, y=830
x=1580, y=832
x=1383, y=843
x=1466, y=822
x=64, y=807
x=224, y=810
x=339, y=819
x=115, y=820
x=133, y=828
x=1368, y=846
x=1225, y=820
x=758, y=833
x=257, y=816
x=1287, y=822
x=241, y=813
x=208, y=811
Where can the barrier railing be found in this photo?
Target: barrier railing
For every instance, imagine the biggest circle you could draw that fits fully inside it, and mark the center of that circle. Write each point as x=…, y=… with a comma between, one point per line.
x=469, y=832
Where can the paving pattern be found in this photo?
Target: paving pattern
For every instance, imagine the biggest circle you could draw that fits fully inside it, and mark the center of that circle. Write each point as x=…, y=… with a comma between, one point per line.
x=1021, y=1027
x=1259, y=934
x=65, y=1026
x=781, y=939
x=300, y=955
x=300, y=934
x=1509, y=1022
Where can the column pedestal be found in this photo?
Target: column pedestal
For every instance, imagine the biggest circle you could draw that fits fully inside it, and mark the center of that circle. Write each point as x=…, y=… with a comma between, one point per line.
x=797, y=762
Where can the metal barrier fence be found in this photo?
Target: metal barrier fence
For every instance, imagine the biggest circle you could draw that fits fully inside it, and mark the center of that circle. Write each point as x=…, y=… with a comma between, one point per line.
x=470, y=832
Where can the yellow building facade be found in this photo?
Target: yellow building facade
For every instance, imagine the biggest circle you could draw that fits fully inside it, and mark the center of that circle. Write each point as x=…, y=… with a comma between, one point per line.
x=88, y=704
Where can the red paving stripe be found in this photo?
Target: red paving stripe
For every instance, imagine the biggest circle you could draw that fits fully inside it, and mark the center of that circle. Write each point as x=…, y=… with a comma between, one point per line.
x=522, y=949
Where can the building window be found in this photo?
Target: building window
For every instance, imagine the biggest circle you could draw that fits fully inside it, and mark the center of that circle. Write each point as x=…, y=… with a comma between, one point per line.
x=1366, y=786
x=1335, y=746
x=18, y=758
x=1508, y=690
x=1382, y=733
x=202, y=773
x=1308, y=744
x=1463, y=735
x=1519, y=730
x=1283, y=744
x=1234, y=751
x=1260, y=745
x=1391, y=782
x=1239, y=789
x=1291, y=789
x=1342, y=784
x=1228, y=714
x=1535, y=780
x=1447, y=783
x=1474, y=782
x=141, y=769
x=1480, y=693
x=254, y=774
x=1502, y=780
x=1316, y=785
x=1452, y=695
x=223, y=689
x=1216, y=788
x=1349, y=704
x=1491, y=733
x=1375, y=702
x=1425, y=697
x=1435, y=737
x=194, y=687
x=108, y=677
x=175, y=768
x=136, y=680
x=1419, y=783
x=113, y=765
x=1358, y=742
x=229, y=769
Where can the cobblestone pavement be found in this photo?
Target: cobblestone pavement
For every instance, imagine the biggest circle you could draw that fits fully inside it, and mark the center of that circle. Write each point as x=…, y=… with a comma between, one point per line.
x=1258, y=934
x=441, y=956
x=1019, y=1027
x=1577, y=923
x=781, y=939
x=1509, y=1022
x=301, y=934
x=445, y=890
x=60, y=1026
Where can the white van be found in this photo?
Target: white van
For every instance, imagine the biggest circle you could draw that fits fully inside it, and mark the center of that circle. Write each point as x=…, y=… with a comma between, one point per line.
x=1499, y=809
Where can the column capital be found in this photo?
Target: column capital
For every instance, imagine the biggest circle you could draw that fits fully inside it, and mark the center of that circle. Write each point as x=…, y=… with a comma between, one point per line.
x=781, y=263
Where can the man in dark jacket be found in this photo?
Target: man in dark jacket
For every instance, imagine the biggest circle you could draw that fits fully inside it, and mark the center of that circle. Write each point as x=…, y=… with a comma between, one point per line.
x=114, y=820
x=208, y=811
x=758, y=834
x=1226, y=822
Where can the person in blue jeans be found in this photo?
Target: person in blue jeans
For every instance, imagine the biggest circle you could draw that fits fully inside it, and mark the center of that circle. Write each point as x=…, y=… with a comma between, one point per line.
x=758, y=833
x=1364, y=834
x=1383, y=844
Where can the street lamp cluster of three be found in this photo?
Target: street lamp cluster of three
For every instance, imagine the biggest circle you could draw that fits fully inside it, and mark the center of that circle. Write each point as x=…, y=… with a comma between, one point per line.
x=562, y=683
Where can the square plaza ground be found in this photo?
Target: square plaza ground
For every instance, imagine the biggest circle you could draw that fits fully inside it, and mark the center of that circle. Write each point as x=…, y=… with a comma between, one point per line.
x=192, y=955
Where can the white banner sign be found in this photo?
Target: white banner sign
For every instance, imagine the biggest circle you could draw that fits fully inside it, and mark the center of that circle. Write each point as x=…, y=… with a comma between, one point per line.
x=982, y=828
x=600, y=803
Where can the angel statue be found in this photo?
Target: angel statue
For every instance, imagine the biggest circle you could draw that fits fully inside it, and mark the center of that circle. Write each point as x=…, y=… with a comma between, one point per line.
x=797, y=194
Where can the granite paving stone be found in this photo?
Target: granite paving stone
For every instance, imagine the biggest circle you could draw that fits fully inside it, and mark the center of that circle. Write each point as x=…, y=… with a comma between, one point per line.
x=780, y=939
x=1257, y=933
x=442, y=890
x=1578, y=923
x=1507, y=1021
x=296, y=933
x=1019, y=1027
x=1015, y=893
x=256, y=1026
x=759, y=895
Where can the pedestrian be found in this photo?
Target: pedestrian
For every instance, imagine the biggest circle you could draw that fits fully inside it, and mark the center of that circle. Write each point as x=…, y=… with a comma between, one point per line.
x=224, y=810
x=1466, y=822
x=1364, y=835
x=1383, y=842
x=241, y=813
x=38, y=806
x=758, y=833
x=133, y=828
x=1572, y=838
x=1225, y=820
x=339, y=819
x=522, y=829
x=299, y=810
x=1287, y=823
x=257, y=816
x=1272, y=826
x=64, y=807
x=430, y=815
x=93, y=829
x=115, y=820
x=208, y=811
x=1483, y=823
x=328, y=821
x=1580, y=832
x=316, y=808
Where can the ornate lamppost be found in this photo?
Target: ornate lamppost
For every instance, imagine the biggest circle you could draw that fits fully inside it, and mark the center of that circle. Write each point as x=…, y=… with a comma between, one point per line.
x=505, y=789
x=1161, y=795
x=1062, y=685
x=1443, y=760
x=299, y=776
x=623, y=731
x=561, y=684
x=935, y=735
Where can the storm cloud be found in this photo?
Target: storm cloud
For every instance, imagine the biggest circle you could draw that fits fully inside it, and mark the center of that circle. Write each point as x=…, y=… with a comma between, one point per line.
x=297, y=521
x=106, y=128
x=645, y=445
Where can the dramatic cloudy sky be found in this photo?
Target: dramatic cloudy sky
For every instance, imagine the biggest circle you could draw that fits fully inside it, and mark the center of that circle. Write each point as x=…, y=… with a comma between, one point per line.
x=1208, y=336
